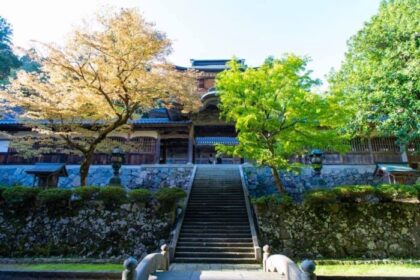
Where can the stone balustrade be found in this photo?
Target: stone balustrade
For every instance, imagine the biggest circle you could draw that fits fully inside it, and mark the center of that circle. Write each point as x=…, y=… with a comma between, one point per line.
x=149, y=265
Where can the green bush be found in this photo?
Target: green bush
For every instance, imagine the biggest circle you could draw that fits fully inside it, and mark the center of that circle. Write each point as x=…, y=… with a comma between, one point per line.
x=139, y=196
x=112, y=196
x=320, y=197
x=417, y=187
x=2, y=189
x=353, y=193
x=170, y=194
x=168, y=197
x=54, y=197
x=20, y=196
x=273, y=199
x=86, y=193
x=388, y=192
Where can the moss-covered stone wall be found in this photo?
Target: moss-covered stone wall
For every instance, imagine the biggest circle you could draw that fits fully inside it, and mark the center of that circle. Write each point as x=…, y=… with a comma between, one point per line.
x=342, y=230
x=89, y=231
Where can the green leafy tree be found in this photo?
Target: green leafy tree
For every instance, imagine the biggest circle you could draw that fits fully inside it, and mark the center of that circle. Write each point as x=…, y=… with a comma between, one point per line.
x=380, y=74
x=276, y=114
x=8, y=59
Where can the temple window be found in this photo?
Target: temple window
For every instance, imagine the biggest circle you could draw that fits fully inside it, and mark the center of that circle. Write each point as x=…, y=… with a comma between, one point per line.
x=144, y=144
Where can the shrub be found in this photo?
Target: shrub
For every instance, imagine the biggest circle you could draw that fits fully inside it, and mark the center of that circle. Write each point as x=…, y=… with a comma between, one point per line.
x=417, y=187
x=112, y=196
x=54, y=197
x=388, y=192
x=406, y=191
x=2, y=189
x=139, y=196
x=170, y=194
x=353, y=193
x=320, y=197
x=271, y=200
x=168, y=197
x=86, y=193
x=20, y=196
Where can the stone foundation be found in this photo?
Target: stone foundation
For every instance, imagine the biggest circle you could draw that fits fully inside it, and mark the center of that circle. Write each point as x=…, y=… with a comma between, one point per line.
x=260, y=181
x=357, y=230
x=145, y=176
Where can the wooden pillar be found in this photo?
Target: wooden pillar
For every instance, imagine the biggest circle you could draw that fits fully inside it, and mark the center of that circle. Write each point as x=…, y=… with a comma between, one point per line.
x=372, y=158
x=191, y=146
x=403, y=152
x=157, y=150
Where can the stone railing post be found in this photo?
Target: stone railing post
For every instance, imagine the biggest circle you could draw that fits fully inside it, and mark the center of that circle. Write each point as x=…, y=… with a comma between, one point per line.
x=165, y=252
x=130, y=272
x=308, y=268
x=266, y=254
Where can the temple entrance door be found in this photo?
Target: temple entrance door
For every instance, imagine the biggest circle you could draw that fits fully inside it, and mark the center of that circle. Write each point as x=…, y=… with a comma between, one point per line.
x=174, y=150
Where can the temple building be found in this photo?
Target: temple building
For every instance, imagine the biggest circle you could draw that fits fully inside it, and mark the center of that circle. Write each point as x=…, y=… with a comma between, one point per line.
x=169, y=137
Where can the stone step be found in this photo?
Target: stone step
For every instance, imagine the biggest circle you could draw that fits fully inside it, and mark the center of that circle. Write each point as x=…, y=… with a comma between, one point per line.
x=211, y=227
x=215, y=249
x=215, y=244
x=215, y=260
x=215, y=235
x=231, y=254
x=215, y=239
x=214, y=223
x=216, y=230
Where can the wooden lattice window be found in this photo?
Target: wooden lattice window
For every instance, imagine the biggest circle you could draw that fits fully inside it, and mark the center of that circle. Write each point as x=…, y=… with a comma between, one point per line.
x=359, y=145
x=385, y=144
x=144, y=144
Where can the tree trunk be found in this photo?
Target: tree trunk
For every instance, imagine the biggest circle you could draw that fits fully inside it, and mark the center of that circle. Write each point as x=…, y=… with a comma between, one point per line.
x=277, y=180
x=84, y=168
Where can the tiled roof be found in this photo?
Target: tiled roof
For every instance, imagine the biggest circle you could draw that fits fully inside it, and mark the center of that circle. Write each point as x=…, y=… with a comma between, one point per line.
x=9, y=121
x=211, y=141
x=158, y=121
x=40, y=168
x=395, y=167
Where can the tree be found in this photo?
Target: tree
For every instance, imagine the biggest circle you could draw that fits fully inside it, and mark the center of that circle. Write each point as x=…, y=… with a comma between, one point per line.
x=275, y=114
x=104, y=76
x=8, y=59
x=380, y=74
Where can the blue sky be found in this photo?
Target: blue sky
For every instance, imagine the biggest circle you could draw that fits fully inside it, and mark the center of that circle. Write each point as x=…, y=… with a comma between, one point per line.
x=210, y=29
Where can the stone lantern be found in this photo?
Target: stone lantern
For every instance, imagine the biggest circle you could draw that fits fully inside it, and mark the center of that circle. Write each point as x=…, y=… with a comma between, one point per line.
x=117, y=159
x=316, y=157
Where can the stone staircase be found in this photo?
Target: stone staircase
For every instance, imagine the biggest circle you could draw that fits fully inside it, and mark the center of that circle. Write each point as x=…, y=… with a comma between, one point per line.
x=216, y=228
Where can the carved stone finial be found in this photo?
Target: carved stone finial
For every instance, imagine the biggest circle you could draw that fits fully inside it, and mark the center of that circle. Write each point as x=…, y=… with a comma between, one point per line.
x=266, y=254
x=130, y=263
x=308, y=268
x=165, y=253
x=129, y=272
x=164, y=248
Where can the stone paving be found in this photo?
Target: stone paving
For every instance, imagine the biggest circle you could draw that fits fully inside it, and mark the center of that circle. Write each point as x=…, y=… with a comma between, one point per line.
x=214, y=272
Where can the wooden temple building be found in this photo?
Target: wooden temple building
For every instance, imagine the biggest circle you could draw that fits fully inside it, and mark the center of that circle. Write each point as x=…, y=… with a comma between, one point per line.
x=166, y=136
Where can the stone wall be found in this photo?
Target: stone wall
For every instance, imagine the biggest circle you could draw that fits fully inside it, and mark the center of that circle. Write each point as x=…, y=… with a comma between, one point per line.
x=380, y=230
x=146, y=176
x=91, y=231
x=260, y=181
